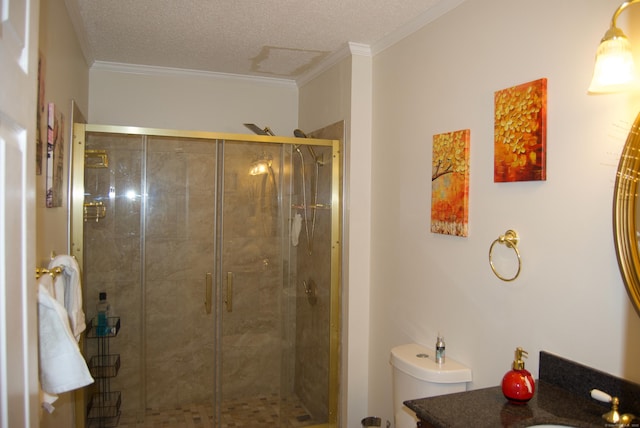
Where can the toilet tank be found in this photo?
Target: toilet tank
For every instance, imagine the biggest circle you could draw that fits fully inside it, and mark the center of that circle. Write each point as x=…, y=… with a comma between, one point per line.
x=417, y=375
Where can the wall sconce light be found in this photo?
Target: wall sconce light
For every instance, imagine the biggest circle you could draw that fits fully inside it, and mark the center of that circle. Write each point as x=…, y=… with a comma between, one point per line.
x=614, y=70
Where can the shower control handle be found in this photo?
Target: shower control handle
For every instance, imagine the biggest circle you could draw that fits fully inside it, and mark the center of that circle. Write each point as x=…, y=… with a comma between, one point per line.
x=207, y=292
x=228, y=301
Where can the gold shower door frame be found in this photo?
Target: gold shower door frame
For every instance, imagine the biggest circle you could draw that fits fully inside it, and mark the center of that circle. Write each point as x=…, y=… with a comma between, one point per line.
x=76, y=232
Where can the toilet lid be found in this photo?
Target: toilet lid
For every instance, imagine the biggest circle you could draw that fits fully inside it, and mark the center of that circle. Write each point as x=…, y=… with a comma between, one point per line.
x=419, y=362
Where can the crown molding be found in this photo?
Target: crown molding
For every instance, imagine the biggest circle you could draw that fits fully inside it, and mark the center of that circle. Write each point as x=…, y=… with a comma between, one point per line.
x=150, y=70
x=344, y=52
x=81, y=34
x=359, y=49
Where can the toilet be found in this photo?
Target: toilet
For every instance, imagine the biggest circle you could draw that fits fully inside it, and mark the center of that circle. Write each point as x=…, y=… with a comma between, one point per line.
x=417, y=375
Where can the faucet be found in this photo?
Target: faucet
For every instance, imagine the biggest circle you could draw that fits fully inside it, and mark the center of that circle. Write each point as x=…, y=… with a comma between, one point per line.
x=613, y=416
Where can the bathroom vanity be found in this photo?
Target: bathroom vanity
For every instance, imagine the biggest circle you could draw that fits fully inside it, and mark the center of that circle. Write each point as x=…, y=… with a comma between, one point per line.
x=562, y=397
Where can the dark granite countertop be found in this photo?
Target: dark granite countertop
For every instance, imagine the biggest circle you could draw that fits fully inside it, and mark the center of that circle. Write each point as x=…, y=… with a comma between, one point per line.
x=487, y=408
x=562, y=397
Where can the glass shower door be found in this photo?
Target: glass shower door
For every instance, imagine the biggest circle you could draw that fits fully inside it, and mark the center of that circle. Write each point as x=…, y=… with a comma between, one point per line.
x=274, y=290
x=153, y=252
x=112, y=248
x=250, y=284
x=179, y=262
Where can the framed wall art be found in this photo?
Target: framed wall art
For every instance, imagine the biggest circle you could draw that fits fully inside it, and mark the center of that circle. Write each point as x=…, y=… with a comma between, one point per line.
x=520, y=133
x=450, y=183
x=55, y=148
x=39, y=114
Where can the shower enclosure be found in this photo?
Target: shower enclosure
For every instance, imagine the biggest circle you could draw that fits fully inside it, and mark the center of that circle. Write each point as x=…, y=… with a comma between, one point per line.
x=220, y=257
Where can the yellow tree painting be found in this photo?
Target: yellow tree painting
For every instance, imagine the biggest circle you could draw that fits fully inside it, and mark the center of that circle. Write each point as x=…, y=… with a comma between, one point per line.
x=520, y=133
x=450, y=183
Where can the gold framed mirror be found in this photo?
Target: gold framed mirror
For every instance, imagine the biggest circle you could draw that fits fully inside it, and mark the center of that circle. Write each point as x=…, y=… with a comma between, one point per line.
x=625, y=211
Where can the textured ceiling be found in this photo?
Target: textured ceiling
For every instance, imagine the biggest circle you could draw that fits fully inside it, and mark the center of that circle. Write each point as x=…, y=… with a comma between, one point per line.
x=269, y=38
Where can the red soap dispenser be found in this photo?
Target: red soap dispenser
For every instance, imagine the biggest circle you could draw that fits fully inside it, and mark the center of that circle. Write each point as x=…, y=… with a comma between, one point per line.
x=518, y=385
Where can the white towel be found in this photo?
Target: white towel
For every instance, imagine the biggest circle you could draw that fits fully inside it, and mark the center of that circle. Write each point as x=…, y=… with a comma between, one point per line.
x=62, y=367
x=47, y=400
x=68, y=291
x=296, y=226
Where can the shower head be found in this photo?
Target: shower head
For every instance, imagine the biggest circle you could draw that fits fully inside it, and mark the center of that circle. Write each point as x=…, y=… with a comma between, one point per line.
x=257, y=130
x=299, y=133
x=317, y=159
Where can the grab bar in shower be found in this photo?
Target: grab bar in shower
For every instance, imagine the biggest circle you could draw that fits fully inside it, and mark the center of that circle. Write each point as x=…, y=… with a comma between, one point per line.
x=207, y=292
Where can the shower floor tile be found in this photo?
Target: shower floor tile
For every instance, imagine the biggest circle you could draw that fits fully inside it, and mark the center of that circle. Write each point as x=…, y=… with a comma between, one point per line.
x=255, y=412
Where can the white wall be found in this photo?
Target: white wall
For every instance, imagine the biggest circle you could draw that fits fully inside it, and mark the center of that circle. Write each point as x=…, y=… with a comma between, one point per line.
x=180, y=99
x=569, y=298
x=66, y=77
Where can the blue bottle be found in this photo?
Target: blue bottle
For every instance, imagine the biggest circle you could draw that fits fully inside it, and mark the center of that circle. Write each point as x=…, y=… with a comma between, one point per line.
x=103, y=307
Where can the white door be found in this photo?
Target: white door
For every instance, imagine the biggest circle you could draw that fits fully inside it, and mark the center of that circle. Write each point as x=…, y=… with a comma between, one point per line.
x=18, y=306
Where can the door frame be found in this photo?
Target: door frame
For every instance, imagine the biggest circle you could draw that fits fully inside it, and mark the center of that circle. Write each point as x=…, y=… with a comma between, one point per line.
x=19, y=400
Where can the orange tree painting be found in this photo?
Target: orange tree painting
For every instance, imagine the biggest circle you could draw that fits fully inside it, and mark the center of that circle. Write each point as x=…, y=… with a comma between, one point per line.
x=520, y=133
x=450, y=183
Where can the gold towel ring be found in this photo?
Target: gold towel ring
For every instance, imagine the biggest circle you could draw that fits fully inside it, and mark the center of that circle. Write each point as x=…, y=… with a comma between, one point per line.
x=510, y=239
